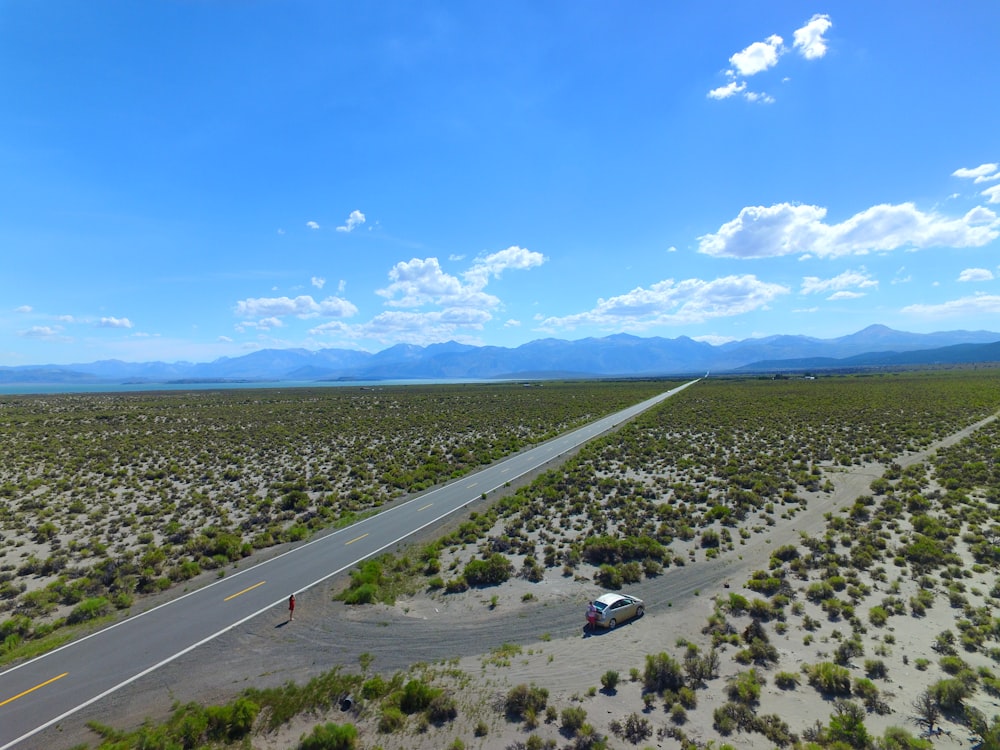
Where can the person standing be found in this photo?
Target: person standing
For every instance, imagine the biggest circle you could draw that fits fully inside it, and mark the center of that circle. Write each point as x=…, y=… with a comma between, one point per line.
x=291, y=607
x=592, y=616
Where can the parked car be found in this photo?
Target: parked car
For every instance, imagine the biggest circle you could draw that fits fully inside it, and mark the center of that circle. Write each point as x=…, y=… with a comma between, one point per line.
x=613, y=609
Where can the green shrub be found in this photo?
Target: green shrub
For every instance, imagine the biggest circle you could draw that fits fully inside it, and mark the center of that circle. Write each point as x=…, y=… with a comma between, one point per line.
x=786, y=680
x=417, y=695
x=744, y=687
x=331, y=736
x=662, y=672
x=391, y=720
x=374, y=688
x=609, y=680
x=442, y=708
x=609, y=577
x=492, y=571
x=572, y=719
x=365, y=593
x=950, y=694
x=523, y=698
x=89, y=609
x=830, y=678
x=878, y=616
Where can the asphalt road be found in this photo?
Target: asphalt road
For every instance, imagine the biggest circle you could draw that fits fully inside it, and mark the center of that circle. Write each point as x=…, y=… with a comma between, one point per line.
x=41, y=692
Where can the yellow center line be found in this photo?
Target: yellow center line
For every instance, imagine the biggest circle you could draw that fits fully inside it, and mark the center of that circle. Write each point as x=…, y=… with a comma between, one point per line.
x=425, y=507
x=238, y=593
x=357, y=539
x=31, y=690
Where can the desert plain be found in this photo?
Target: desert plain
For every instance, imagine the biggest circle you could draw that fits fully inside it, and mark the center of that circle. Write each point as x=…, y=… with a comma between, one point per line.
x=818, y=559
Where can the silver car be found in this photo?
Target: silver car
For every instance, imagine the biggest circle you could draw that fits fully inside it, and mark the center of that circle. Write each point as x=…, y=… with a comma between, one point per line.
x=613, y=609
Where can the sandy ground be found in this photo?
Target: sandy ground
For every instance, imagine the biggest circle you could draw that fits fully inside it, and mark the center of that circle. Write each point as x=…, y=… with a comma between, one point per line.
x=453, y=639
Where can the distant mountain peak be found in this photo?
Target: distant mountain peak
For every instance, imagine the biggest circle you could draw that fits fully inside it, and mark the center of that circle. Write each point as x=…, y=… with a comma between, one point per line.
x=616, y=355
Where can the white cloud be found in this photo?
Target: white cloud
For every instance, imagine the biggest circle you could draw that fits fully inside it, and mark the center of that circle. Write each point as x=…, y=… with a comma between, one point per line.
x=845, y=294
x=724, y=92
x=983, y=173
x=759, y=56
x=302, y=306
x=493, y=265
x=224, y=340
x=809, y=39
x=859, y=279
x=992, y=194
x=976, y=274
x=809, y=42
x=671, y=303
x=463, y=304
x=312, y=225
x=355, y=220
x=419, y=282
x=758, y=97
x=24, y=309
x=790, y=229
x=410, y=327
x=979, y=304
x=41, y=332
x=114, y=323
x=318, y=281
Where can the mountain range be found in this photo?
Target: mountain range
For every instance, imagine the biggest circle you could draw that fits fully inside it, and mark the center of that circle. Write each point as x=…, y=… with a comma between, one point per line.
x=620, y=355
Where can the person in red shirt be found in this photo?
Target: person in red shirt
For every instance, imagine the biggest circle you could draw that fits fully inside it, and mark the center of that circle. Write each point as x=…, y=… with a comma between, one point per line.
x=291, y=607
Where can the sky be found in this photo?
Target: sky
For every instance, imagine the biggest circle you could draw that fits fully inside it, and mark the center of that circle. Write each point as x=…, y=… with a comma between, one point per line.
x=195, y=179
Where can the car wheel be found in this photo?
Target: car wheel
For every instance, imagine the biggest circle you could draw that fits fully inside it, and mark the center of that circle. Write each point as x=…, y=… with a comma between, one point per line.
x=639, y=612
x=611, y=623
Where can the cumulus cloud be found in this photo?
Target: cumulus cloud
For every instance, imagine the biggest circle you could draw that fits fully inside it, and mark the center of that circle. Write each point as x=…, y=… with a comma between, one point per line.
x=356, y=219
x=759, y=56
x=114, y=323
x=859, y=279
x=303, y=306
x=983, y=173
x=312, y=225
x=422, y=281
x=979, y=304
x=493, y=265
x=318, y=281
x=791, y=229
x=992, y=194
x=976, y=274
x=730, y=89
x=809, y=40
x=671, y=303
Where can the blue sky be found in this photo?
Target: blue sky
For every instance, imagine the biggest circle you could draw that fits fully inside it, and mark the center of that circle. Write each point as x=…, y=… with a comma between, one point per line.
x=195, y=179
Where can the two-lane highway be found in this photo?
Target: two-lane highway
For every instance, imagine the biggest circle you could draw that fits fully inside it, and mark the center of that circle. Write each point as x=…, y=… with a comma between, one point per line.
x=45, y=690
